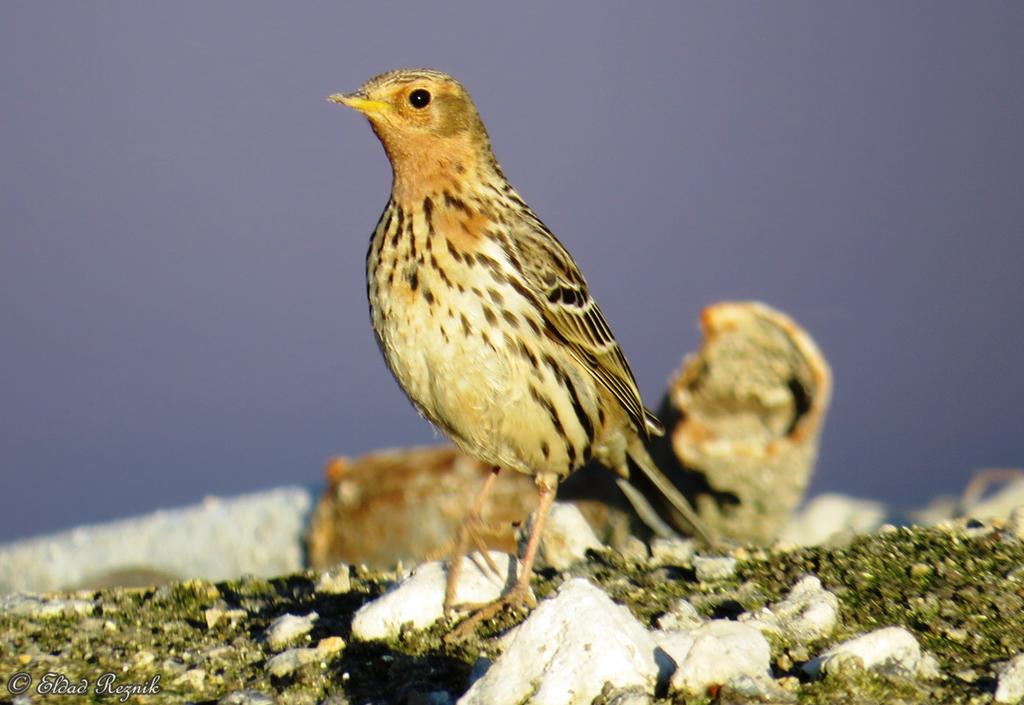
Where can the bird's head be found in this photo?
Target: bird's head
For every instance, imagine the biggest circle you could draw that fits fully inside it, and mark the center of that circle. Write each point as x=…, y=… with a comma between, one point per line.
x=426, y=121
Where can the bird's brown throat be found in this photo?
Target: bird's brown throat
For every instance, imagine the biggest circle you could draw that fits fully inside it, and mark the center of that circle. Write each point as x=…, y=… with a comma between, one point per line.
x=425, y=164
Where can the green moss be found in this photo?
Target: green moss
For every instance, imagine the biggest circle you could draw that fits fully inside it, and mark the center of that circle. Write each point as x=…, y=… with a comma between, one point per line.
x=961, y=595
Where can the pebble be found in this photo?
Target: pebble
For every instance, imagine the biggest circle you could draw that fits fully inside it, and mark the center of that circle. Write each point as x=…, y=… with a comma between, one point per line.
x=714, y=567
x=1001, y=503
x=143, y=659
x=336, y=580
x=808, y=613
x=1010, y=688
x=293, y=659
x=830, y=514
x=193, y=679
x=418, y=600
x=567, y=650
x=720, y=652
x=928, y=669
x=626, y=696
x=681, y=615
x=889, y=649
x=214, y=615
x=246, y=697
x=288, y=628
x=567, y=536
x=290, y=661
x=1015, y=523
x=633, y=549
x=671, y=551
x=216, y=539
x=42, y=608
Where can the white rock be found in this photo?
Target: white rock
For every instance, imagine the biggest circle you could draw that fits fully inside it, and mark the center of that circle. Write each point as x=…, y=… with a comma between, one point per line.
x=214, y=615
x=671, y=551
x=45, y=608
x=628, y=696
x=633, y=549
x=419, y=599
x=830, y=514
x=216, y=539
x=1015, y=523
x=888, y=649
x=567, y=536
x=928, y=668
x=720, y=652
x=293, y=659
x=335, y=580
x=681, y=615
x=714, y=567
x=809, y=612
x=1011, y=681
x=567, y=650
x=193, y=679
x=1000, y=504
x=289, y=627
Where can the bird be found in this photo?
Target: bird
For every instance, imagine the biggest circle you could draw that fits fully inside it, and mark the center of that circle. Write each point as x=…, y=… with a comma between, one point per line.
x=485, y=319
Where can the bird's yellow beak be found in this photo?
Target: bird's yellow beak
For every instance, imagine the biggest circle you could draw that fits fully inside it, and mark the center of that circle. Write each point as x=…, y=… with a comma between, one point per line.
x=358, y=102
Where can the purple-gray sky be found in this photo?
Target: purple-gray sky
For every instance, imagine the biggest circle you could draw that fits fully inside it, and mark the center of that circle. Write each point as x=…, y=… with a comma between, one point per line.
x=183, y=221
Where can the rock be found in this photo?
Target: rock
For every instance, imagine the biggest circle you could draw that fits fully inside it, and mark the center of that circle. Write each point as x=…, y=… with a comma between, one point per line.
x=1010, y=688
x=289, y=661
x=289, y=627
x=892, y=649
x=419, y=600
x=809, y=612
x=745, y=413
x=719, y=652
x=330, y=645
x=214, y=615
x=1015, y=523
x=404, y=504
x=681, y=615
x=45, y=608
x=217, y=539
x=633, y=549
x=714, y=567
x=567, y=536
x=193, y=679
x=627, y=696
x=830, y=514
x=336, y=580
x=928, y=668
x=292, y=660
x=1000, y=504
x=671, y=551
x=567, y=650
x=246, y=697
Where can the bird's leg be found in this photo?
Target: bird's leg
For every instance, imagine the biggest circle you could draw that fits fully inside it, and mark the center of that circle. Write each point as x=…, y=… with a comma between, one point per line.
x=469, y=531
x=545, y=498
x=519, y=596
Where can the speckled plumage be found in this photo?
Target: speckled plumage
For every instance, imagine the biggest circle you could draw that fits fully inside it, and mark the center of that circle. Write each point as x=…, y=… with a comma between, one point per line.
x=482, y=315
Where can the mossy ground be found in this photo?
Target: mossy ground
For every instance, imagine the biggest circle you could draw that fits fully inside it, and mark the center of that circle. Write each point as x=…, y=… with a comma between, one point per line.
x=961, y=594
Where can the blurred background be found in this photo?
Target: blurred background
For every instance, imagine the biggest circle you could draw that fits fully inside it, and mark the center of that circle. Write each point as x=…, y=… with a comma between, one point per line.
x=184, y=219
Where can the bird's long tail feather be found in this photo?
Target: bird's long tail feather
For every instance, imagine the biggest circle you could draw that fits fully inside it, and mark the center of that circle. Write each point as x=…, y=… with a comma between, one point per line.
x=697, y=528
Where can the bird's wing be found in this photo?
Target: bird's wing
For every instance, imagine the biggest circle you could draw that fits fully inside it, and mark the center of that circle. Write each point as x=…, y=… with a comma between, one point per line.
x=575, y=318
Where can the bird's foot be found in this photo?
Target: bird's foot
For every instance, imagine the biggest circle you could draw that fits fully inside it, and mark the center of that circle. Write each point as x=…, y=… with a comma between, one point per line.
x=520, y=599
x=471, y=531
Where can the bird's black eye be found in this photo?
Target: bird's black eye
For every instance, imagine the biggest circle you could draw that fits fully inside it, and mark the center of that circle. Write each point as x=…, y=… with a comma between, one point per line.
x=419, y=98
